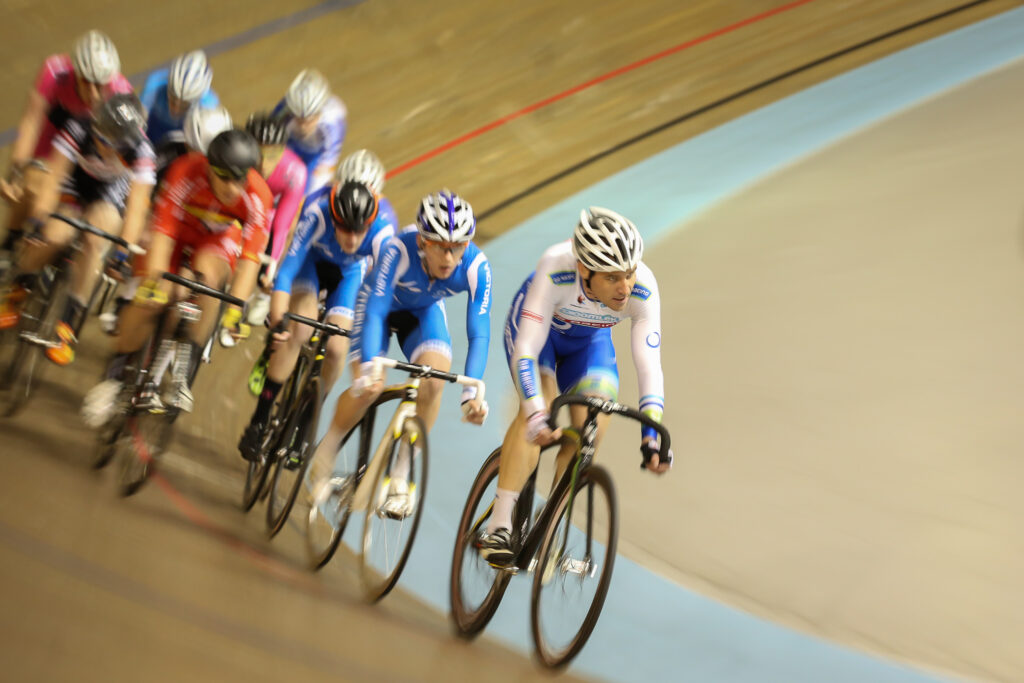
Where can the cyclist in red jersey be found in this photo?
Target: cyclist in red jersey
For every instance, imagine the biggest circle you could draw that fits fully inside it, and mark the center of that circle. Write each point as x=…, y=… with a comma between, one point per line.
x=68, y=86
x=215, y=208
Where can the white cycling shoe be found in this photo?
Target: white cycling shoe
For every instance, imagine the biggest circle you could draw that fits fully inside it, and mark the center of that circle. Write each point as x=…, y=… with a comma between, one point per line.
x=397, y=499
x=100, y=403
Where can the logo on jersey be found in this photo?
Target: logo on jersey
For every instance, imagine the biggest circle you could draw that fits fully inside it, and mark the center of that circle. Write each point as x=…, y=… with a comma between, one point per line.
x=526, y=375
x=654, y=340
x=640, y=292
x=487, y=288
x=563, y=277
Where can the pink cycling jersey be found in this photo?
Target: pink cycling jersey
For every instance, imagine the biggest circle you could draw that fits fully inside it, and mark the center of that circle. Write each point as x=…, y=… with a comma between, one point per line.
x=287, y=184
x=56, y=83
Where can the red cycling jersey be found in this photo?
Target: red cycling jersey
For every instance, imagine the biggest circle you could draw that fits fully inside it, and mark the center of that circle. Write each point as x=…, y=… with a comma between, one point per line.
x=186, y=210
x=56, y=83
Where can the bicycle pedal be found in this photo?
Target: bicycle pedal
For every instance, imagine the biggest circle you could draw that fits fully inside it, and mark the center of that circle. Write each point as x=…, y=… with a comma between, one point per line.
x=292, y=462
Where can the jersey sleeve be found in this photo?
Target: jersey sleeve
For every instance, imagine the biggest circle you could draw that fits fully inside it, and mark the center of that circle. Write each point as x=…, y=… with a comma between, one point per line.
x=254, y=230
x=151, y=90
x=478, y=317
x=144, y=166
x=169, y=204
x=287, y=208
x=534, y=325
x=48, y=77
x=381, y=288
x=299, y=249
x=646, y=346
x=351, y=278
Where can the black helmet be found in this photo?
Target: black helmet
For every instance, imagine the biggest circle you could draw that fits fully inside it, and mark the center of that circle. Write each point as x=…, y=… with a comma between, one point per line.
x=120, y=121
x=353, y=206
x=268, y=129
x=232, y=153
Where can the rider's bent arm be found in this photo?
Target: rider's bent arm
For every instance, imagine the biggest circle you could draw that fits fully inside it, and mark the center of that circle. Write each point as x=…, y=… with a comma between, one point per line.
x=137, y=205
x=351, y=277
x=254, y=241
x=287, y=210
x=534, y=326
x=48, y=197
x=646, y=346
x=478, y=320
x=29, y=127
x=381, y=287
x=298, y=251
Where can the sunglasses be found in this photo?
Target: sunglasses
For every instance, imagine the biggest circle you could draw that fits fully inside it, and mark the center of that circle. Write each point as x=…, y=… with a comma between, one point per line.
x=225, y=174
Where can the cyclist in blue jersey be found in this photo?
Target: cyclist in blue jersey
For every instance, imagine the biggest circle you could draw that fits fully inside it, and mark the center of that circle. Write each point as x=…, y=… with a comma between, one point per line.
x=335, y=238
x=167, y=96
x=405, y=294
x=364, y=166
x=558, y=339
x=316, y=128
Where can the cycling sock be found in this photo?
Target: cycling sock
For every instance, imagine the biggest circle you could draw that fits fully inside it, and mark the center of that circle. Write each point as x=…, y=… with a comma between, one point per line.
x=115, y=369
x=501, y=515
x=74, y=313
x=267, y=396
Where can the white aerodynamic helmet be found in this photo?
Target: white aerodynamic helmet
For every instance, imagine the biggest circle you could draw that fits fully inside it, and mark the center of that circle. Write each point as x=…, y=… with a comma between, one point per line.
x=190, y=76
x=605, y=241
x=95, y=58
x=363, y=166
x=446, y=217
x=203, y=124
x=307, y=93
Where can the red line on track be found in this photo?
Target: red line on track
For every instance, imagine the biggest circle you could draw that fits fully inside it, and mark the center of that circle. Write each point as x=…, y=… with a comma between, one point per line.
x=594, y=81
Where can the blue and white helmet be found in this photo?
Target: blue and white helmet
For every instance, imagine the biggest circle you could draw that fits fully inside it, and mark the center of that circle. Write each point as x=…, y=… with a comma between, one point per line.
x=95, y=58
x=446, y=217
x=606, y=241
x=307, y=94
x=190, y=76
x=363, y=166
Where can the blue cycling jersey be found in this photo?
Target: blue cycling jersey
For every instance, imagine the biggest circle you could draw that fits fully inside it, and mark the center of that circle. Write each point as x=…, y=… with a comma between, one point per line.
x=160, y=122
x=399, y=282
x=314, y=242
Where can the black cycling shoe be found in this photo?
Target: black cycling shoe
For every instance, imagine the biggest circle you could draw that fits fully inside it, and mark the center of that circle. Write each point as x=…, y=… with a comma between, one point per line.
x=249, y=444
x=496, y=548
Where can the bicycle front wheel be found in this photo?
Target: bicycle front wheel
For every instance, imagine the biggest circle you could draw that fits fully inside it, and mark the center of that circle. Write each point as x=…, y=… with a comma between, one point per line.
x=20, y=361
x=334, y=476
x=143, y=437
x=574, y=568
x=389, y=527
x=293, y=452
x=476, y=588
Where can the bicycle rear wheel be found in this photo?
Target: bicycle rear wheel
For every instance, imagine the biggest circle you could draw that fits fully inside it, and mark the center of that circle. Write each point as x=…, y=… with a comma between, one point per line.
x=574, y=567
x=387, y=537
x=333, y=485
x=476, y=588
x=293, y=452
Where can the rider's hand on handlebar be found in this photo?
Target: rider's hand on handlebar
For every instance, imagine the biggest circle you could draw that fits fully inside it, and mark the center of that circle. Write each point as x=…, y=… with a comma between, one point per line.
x=150, y=295
x=117, y=265
x=474, y=411
x=12, y=185
x=232, y=322
x=537, y=430
x=653, y=460
x=369, y=379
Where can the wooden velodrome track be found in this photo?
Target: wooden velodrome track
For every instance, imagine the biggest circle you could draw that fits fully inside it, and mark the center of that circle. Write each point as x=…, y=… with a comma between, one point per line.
x=126, y=588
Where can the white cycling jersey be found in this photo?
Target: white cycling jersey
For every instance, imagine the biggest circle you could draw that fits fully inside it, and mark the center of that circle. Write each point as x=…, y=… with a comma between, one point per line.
x=555, y=303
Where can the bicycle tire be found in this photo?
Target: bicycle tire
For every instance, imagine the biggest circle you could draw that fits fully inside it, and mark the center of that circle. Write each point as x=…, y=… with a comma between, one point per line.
x=594, y=476
x=138, y=452
x=320, y=556
x=377, y=585
x=38, y=317
x=258, y=471
x=469, y=622
x=298, y=435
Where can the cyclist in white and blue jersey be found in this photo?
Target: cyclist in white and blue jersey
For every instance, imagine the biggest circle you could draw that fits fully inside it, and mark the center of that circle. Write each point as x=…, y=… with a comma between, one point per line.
x=168, y=94
x=316, y=129
x=336, y=238
x=405, y=294
x=558, y=340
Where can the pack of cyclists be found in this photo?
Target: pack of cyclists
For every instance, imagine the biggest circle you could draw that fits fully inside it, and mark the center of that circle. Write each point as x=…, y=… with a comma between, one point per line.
x=271, y=211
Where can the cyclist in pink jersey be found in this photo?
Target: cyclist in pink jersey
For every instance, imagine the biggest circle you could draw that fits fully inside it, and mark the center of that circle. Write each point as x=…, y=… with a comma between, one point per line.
x=67, y=87
x=286, y=177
